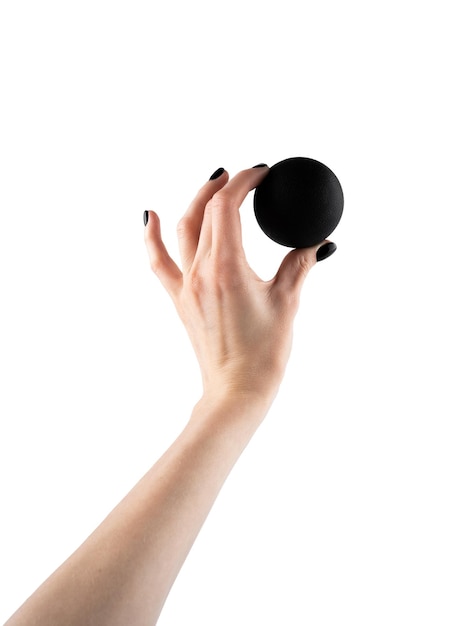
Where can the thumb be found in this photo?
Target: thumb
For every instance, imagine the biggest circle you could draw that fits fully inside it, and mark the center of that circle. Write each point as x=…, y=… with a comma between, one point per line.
x=297, y=264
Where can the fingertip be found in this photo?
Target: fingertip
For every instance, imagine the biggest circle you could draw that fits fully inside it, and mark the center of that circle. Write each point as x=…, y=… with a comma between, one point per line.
x=255, y=174
x=217, y=180
x=152, y=233
x=151, y=218
x=150, y=215
x=325, y=250
x=217, y=174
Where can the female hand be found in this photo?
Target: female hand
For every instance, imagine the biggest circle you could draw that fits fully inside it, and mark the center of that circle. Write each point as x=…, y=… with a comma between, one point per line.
x=240, y=326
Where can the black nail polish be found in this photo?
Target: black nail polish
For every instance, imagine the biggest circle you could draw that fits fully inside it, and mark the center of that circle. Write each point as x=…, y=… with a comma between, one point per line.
x=325, y=251
x=217, y=173
x=146, y=217
x=259, y=165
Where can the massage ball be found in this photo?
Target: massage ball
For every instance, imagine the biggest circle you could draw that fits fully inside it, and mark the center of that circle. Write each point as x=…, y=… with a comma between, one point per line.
x=299, y=203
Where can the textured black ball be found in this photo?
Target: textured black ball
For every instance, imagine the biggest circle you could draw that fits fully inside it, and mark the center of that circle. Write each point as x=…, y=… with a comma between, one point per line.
x=299, y=203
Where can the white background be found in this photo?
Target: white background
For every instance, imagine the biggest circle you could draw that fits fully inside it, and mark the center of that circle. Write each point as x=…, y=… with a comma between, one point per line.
x=351, y=503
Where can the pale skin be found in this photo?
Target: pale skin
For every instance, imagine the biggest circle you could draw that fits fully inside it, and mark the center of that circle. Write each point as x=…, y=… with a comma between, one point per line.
x=241, y=331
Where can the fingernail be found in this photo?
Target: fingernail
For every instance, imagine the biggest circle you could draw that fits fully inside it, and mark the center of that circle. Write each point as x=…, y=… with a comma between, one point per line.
x=146, y=217
x=259, y=165
x=217, y=173
x=325, y=251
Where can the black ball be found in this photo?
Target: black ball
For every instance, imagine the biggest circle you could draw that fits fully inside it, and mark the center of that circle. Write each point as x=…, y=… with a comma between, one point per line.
x=299, y=203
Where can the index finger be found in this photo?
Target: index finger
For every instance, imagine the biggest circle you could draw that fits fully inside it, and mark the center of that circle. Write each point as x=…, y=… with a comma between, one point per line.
x=225, y=205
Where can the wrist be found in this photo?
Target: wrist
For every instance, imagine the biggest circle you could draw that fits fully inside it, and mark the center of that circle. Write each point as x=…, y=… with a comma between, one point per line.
x=244, y=384
x=230, y=408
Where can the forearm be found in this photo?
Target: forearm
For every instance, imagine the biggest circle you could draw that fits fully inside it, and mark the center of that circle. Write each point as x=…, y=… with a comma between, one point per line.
x=124, y=571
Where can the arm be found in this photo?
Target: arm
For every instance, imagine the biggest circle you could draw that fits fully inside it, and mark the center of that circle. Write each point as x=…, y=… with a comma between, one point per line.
x=241, y=330
x=123, y=572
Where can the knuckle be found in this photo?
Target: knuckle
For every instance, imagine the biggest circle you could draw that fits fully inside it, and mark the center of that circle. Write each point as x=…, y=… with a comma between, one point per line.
x=221, y=199
x=156, y=264
x=304, y=264
x=183, y=226
x=196, y=279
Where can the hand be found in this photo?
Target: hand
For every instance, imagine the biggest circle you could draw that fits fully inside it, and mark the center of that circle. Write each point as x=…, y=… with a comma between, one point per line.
x=240, y=326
